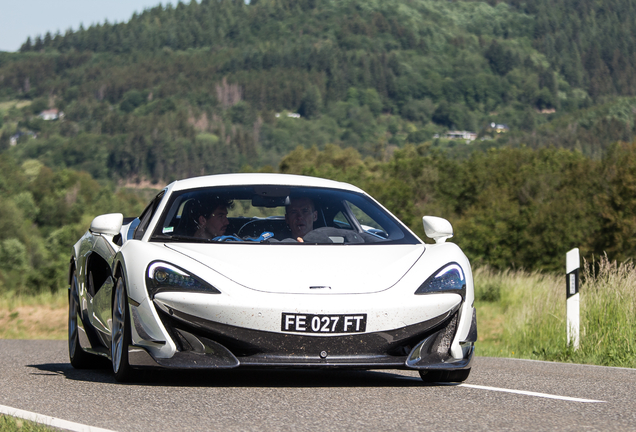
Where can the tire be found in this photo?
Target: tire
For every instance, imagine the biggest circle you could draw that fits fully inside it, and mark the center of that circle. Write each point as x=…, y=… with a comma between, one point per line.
x=443, y=376
x=79, y=358
x=120, y=333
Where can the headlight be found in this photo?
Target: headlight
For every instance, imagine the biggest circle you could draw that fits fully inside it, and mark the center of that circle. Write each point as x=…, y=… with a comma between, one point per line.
x=166, y=277
x=448, y=279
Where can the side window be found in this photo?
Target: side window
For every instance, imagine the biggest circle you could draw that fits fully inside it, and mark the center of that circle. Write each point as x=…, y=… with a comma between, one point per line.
x=341, y=221
x=367, y=223
x=365, y=220
x=146, y=216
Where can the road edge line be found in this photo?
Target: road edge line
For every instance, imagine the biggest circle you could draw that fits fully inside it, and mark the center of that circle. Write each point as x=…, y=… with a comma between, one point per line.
x=560, y=363
x=529, y=393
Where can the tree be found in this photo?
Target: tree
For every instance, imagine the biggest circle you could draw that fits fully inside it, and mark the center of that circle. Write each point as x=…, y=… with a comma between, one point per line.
x=501, y=60
x=26, y=46
x=617, y=203
x=311, y=103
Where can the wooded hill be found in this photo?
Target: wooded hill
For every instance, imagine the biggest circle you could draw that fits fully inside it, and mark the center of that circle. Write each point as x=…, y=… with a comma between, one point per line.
x=215, y=86
x=195, y=88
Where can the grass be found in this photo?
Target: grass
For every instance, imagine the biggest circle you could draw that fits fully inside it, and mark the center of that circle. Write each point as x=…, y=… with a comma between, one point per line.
x=519, y=314
x=608, y=311
x=517, y=310
x=523, y=314
x=41, y=316
x=13, y=424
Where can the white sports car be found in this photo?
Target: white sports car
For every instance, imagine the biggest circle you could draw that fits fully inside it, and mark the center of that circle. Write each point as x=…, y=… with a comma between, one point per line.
x=269, y=270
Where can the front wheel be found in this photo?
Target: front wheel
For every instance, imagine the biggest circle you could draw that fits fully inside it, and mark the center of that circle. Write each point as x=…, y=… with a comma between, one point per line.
x=443, y=376
x=120, y=333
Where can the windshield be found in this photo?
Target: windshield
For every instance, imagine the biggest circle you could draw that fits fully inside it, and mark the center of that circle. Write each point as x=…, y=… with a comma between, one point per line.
x=277, y=214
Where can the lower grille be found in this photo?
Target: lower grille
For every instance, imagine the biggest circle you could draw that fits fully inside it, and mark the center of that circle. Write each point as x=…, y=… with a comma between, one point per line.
x=255, y=347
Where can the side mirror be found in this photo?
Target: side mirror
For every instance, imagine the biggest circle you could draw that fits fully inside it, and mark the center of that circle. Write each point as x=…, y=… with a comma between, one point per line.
x=437, y=228
x=108, y=224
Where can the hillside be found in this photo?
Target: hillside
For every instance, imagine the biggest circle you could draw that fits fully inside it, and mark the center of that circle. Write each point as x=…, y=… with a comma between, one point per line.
x=177, y=91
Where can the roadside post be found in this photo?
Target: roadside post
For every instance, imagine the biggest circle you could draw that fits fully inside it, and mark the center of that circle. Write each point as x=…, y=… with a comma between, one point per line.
x=572, y=265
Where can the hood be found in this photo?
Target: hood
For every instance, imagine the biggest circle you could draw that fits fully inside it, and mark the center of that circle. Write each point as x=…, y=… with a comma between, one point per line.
x=329, y=269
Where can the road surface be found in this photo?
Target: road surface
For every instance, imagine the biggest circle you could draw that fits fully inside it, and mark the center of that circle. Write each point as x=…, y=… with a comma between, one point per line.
x=499, y=395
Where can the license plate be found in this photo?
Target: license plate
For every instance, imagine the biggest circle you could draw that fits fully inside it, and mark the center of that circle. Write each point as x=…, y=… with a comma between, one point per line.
x=309, y=323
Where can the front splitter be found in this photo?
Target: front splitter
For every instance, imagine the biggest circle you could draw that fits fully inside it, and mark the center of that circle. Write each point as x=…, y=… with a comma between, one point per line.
x=210, y=345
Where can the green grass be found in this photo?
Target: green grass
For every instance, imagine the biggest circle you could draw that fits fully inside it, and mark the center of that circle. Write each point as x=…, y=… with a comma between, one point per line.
x=522, y=314
x=13, y=424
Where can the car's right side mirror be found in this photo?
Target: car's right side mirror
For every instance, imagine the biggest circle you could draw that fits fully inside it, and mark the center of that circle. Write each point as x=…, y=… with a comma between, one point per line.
x=437, y=228
x=108, y=224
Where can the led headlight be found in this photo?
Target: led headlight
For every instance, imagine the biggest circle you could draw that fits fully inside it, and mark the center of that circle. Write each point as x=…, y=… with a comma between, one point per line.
x=166, y=277
x=449, y=279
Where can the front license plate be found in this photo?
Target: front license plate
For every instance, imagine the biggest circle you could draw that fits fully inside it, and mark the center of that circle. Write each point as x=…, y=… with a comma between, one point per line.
x=309, y=323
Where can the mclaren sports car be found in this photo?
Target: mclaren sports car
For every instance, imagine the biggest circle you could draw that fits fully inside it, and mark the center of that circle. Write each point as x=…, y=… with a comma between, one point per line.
x=269, y=270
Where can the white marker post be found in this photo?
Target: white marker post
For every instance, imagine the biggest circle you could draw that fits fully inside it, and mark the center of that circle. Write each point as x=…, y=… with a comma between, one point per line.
x=572, y=265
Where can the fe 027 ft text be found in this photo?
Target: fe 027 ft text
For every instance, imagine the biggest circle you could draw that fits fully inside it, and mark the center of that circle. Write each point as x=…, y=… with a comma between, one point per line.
x=310, y=323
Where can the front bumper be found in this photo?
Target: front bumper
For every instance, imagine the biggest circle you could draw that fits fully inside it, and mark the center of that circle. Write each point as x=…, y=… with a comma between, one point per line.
x=204, y=344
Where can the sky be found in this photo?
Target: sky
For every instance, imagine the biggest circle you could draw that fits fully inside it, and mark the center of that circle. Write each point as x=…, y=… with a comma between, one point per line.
x=20, y=19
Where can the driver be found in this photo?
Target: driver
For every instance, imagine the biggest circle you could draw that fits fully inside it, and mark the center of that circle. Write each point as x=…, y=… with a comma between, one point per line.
x=211, y=220
x=300, y=215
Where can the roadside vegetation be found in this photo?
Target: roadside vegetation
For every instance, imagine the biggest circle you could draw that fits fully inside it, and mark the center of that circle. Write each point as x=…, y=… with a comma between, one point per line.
x=510, y=207
x=13, y=424
x=523, y=314
x=33, y=316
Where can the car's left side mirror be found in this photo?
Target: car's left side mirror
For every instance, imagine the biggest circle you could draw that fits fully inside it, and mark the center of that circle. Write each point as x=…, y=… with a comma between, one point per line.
x=437, y=228
x=108, y=224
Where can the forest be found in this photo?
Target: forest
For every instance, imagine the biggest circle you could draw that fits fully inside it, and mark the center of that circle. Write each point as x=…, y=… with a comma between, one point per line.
x=360, y=91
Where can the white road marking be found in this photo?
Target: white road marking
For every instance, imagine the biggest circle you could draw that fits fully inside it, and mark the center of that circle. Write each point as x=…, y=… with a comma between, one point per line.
x=529, y=393
x=49, y=421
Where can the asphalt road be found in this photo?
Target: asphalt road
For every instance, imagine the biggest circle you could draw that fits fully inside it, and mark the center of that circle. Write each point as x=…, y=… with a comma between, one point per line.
x=36, y=376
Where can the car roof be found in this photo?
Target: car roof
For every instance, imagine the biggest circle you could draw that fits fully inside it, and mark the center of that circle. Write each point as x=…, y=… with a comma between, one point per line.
x=258, y=179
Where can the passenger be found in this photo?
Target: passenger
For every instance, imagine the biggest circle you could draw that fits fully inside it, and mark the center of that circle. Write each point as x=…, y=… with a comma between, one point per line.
x=211, y=220
x=300, y=215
